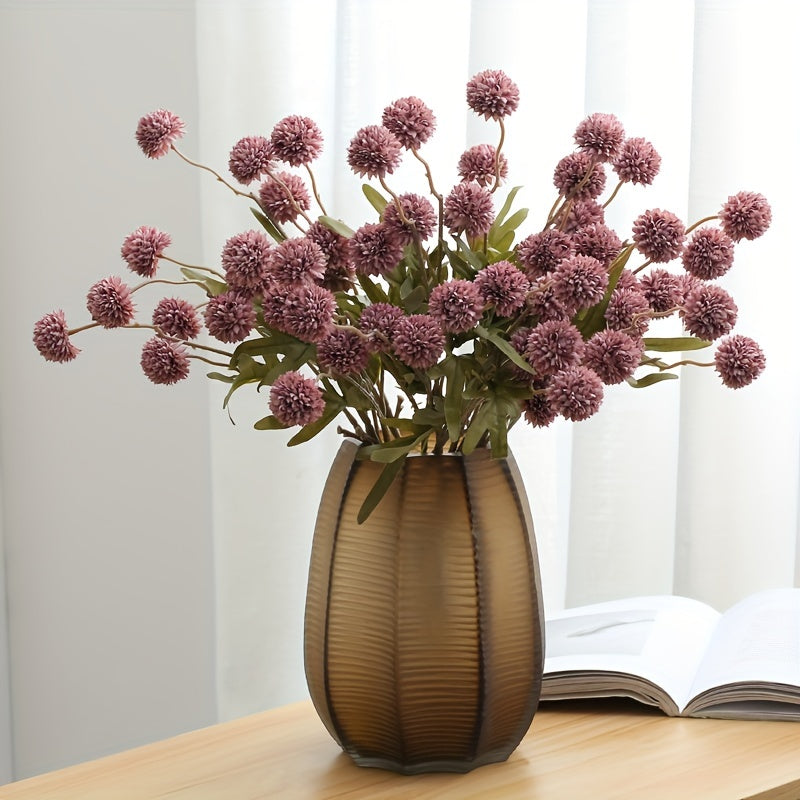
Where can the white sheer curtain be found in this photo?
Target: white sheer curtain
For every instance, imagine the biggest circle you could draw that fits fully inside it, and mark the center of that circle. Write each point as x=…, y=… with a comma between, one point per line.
x=131, y=631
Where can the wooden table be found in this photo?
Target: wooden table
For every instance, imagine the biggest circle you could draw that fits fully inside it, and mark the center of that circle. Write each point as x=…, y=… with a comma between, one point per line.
x=600, y=749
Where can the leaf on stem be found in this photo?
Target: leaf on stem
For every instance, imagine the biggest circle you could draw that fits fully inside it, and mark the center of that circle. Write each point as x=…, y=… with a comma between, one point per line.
x=381, y=486
x=337, y=226
x=269, y=424
x=594, y=319
x=476, y=429
x=453, y=398
x=213, y=287
x=675, y=344
x=650, y=379
x=376, y=199
x=502, y=345
x=501, y=215
x=386, y=452
x=332, y=410
x=268, y=225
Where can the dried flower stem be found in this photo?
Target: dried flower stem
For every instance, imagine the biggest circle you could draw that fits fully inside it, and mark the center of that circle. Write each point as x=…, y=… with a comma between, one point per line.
x=701, y=222
x=497, y=156
x=687, y=361
x=198, y=346
x=194, y=266
x=88, y=326
x=437, y=195
x=405, y=220
x=315, y=190
x=613, y=194
x=219, y=177
x=562, y=209
x=169, y=282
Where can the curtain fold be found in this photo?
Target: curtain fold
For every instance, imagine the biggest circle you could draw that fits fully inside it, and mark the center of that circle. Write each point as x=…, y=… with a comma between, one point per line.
x=623, y=486
x=738, y=451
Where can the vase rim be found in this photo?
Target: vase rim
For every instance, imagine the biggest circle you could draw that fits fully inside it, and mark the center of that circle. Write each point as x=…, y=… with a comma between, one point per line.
x=350, y=441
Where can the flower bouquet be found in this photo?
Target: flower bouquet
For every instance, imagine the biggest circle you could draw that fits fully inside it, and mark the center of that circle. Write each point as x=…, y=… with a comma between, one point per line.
x=432, y=327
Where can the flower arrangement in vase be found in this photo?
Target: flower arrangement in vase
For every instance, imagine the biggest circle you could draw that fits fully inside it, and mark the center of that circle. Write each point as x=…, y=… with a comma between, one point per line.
x=430, y=329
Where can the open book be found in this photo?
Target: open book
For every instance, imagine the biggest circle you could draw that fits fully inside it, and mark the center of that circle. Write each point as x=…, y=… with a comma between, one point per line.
x=681, y=655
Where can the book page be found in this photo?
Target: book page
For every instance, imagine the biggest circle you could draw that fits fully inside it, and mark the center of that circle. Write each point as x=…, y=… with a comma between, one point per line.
x=661, y=639
x=756, y=641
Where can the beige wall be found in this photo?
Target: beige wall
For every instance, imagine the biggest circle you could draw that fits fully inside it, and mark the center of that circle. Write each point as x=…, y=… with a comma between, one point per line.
x=105, y=478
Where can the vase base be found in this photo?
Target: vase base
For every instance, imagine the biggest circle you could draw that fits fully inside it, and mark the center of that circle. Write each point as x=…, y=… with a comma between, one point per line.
x=434, y=765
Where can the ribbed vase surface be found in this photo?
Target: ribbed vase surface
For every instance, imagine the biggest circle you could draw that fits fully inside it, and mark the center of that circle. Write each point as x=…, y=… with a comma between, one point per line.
x=424, y=632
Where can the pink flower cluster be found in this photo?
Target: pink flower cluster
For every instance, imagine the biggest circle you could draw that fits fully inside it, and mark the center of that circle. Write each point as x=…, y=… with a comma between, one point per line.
x=433, y=291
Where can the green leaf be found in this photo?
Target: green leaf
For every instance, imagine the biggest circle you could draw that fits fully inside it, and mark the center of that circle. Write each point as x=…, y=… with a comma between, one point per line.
x=332, y=410
x=387, y=452
x=276, y=342
x=461, y=269
x=501, y=215
x=248, y=371
x=498, y=437
x=502, y=345
x=502, y=235
x=504, y=244
x=594, y=319
x=354, y=397
x=268, y=225
x=374, y=293
x=218, y=376
x=515, y=220
x=337, y=226
x=269, y=424
x=403, y=424
x=476, y=429
x=649, y=380
x=453, y=398
x=379, y=489
x=213, y=287
x=427, y=418
x=349, y=305
x=675, y=344
x=415, y=299
x=294, y=357
x=376, y=199
x=476, y=260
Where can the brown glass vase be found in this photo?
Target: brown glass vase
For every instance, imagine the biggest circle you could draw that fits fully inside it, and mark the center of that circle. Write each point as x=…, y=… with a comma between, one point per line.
x=424, y=632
